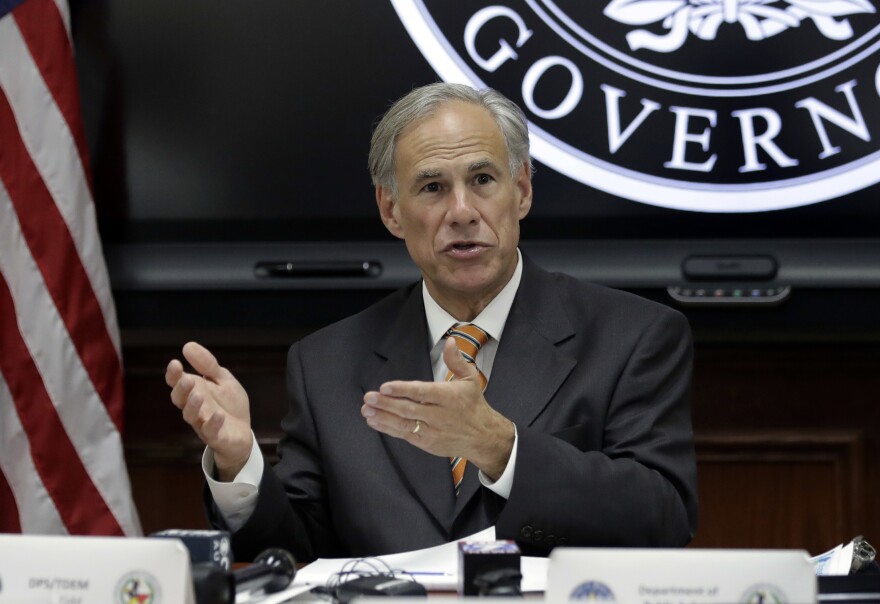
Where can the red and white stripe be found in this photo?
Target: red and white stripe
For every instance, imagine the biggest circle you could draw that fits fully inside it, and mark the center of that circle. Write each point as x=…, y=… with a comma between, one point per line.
x=61, y=391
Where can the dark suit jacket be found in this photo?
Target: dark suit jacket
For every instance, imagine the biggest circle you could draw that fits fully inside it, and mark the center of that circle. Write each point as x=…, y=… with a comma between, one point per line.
x=597, y=382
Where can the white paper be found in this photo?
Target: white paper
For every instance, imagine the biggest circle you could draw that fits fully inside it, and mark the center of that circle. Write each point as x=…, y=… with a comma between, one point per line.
x=435, y=567
x=836, y=561
x=276, y=598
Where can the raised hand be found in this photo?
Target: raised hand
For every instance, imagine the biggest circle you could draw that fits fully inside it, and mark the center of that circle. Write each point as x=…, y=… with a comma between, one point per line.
x=454, y=419
x=215, y=405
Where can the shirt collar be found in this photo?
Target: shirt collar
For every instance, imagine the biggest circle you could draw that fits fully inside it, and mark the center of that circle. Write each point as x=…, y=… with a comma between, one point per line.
x=491, y=320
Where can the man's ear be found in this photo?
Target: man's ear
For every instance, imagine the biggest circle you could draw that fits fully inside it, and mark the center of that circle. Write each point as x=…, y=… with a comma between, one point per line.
x=524, y=187
x=388, y=211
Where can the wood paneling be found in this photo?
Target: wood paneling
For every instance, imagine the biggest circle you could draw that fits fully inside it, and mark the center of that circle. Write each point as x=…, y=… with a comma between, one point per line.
x=775, y=489
x=820, y=481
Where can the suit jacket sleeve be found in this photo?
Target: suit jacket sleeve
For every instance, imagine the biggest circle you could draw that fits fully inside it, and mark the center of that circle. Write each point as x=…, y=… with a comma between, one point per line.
x=632, y=485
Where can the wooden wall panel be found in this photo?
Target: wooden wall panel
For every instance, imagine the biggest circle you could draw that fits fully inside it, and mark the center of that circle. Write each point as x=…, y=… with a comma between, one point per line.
x=773, y=489
x=824, y=399
x=168, y=493
x=162, y=452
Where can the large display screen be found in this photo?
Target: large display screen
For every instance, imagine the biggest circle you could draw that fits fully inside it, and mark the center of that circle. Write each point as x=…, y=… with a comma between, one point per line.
x=698, y=119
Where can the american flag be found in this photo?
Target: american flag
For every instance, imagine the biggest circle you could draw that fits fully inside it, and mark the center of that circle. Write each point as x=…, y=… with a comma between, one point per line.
x=62, y=469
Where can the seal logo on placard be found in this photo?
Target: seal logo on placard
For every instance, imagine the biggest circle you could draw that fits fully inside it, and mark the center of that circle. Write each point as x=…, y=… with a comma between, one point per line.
x=139, y=587
x=594, y=591
x=702, y=105
x=763, y=594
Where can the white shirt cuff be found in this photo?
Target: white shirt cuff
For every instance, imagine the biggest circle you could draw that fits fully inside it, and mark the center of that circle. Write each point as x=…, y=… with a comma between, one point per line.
x=236, y=500
x=504, y=484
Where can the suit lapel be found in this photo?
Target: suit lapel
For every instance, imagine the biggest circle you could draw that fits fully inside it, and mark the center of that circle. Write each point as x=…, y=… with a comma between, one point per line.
x=528, y=367
x=405, y=354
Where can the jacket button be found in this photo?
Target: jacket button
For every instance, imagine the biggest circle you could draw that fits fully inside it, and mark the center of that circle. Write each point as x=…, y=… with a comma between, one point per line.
x=538, y=536
x=526, y=531
x=550, y=540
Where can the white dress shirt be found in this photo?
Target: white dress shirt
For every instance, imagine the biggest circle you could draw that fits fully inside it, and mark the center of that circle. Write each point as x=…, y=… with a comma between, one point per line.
x=491, y=320
x=237, y=500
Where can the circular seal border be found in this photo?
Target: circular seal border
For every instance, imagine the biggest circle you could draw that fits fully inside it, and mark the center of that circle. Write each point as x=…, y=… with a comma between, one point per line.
x=661, y=192
x=780, y=595
x=151, y=581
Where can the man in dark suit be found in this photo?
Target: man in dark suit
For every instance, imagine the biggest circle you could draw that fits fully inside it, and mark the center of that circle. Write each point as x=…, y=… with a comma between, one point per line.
x=581, y=437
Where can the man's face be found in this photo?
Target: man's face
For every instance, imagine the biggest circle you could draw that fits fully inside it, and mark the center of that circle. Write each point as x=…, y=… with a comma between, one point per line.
x=458, y=208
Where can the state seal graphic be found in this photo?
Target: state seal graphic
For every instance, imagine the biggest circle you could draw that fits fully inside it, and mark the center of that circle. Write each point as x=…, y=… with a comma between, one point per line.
x=764, y=594
x=594, y=591
x=138, y=587
x=700, y=105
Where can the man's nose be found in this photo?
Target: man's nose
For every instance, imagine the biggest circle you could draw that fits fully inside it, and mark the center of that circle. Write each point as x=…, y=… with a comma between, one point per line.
x=462, y=209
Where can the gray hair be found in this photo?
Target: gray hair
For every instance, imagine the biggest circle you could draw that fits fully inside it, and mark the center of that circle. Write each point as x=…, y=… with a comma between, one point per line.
x=422, y=102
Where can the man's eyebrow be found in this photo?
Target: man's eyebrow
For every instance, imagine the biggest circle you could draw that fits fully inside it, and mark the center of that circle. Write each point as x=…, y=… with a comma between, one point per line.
x=482, y=164
x=427, y=173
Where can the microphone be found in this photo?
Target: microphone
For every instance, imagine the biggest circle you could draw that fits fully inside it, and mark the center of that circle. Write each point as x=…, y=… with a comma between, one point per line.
x=272, y=571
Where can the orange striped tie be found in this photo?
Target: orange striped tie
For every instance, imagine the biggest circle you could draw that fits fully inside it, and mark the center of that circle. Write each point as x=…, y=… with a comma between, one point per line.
x=469, y=338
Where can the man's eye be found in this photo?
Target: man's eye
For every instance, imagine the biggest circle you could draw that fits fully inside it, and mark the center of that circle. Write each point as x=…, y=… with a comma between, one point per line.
x=431, y=187
x=483, y=179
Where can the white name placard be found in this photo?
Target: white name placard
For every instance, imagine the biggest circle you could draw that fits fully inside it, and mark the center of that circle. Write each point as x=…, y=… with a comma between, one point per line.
x=81, y=570
x=680, y=576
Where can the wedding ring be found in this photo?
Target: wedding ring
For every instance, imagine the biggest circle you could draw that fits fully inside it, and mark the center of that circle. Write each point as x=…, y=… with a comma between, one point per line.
x=418, y=427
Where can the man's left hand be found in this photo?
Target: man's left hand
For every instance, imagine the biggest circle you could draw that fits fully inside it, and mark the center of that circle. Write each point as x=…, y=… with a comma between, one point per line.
x=451, y=419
